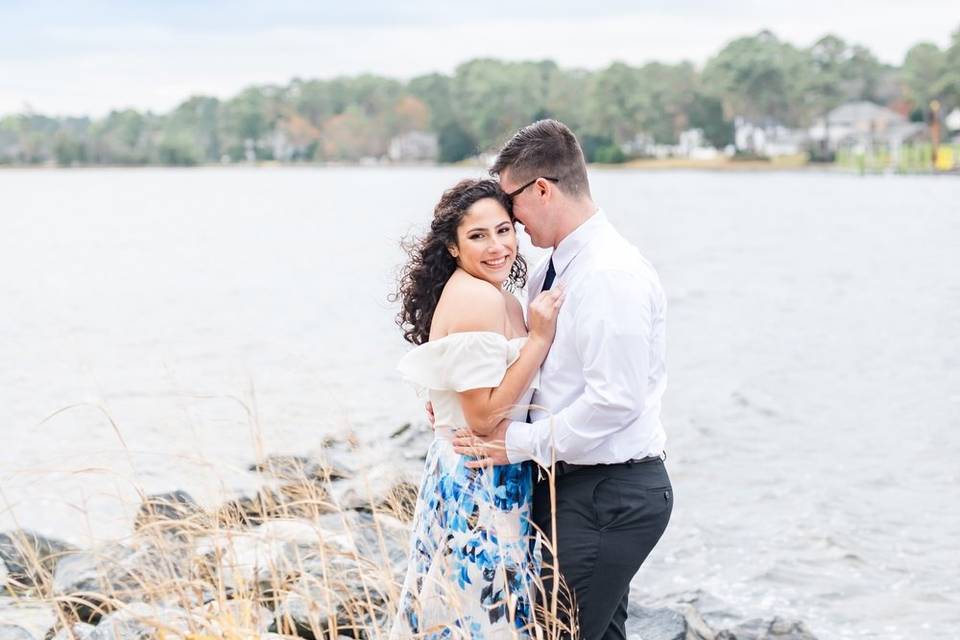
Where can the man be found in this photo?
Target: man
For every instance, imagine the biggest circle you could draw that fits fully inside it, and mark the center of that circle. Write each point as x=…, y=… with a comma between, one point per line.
x=602, y=382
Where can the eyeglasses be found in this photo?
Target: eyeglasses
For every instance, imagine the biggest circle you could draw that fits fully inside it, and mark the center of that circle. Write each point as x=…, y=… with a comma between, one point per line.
x=513, y=194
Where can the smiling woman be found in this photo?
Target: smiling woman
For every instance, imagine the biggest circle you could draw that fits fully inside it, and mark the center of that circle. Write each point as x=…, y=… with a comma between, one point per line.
x=474, y=560
x=485, y=247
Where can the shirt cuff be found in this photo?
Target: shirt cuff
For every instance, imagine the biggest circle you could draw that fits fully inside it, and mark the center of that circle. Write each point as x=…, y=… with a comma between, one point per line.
x=517, y=442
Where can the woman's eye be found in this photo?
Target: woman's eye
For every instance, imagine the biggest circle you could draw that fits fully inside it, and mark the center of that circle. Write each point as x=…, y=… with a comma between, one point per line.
x=476, y=236
x=505, y=230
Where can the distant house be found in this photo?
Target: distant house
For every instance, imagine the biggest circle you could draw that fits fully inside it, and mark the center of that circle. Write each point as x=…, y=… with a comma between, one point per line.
x=691, y=143
x=414, y=146
x=768, y=139
x=860, y=125
x=952, y=122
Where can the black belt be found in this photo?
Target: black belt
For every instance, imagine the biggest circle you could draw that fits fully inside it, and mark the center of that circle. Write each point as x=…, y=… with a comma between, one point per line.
x=563, y=468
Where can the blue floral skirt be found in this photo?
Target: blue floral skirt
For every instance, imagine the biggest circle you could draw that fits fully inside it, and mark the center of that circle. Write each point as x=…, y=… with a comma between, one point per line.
x=474, y=555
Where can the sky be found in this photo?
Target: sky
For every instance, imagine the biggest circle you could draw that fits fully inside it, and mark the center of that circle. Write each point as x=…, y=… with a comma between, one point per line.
x=86, y=58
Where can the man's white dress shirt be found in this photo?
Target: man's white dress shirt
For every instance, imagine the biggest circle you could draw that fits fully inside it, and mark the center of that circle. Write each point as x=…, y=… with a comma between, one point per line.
x=601, y=384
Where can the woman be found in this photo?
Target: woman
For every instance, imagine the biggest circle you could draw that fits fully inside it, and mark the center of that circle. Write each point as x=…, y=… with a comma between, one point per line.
x=474, y=560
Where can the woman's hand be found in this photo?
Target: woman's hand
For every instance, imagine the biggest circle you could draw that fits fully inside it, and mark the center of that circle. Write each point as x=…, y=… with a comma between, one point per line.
x=543, y=312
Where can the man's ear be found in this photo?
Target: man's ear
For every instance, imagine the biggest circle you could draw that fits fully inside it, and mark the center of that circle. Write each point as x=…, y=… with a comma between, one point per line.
x=544, y=186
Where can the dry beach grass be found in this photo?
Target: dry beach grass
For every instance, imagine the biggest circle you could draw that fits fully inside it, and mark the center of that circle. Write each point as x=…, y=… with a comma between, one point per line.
x=319, y=551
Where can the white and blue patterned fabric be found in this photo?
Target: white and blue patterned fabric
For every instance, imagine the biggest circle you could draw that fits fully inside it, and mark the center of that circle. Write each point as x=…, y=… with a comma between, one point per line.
x=474, y=555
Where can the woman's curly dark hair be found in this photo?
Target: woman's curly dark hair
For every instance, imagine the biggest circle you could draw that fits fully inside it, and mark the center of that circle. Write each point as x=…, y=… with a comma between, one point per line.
x=430, y=265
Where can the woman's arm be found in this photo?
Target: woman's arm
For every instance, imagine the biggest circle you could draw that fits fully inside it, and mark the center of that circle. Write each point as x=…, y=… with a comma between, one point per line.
x=484, y=408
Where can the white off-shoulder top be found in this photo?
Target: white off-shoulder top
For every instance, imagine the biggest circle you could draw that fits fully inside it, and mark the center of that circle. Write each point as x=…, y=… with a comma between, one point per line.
x=459, y=362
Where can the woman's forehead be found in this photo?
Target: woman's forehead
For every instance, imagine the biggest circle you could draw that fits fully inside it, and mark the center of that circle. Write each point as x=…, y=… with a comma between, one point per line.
x=485, y=212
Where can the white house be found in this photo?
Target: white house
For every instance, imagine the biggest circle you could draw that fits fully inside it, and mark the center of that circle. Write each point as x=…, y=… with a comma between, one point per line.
x=768, y=139
x=952, y=122
x=858, y=123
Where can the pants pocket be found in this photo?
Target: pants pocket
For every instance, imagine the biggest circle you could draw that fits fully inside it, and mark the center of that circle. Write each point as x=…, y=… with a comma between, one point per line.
x=608, y=503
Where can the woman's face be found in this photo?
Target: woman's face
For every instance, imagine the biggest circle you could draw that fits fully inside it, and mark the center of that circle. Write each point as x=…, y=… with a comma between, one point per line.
x=486, y=242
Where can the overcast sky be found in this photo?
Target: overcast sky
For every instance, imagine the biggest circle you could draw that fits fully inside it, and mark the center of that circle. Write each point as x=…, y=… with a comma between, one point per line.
x=73, y=58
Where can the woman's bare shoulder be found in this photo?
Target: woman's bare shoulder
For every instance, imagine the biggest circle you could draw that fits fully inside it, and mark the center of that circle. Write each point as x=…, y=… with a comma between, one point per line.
x=472, y=304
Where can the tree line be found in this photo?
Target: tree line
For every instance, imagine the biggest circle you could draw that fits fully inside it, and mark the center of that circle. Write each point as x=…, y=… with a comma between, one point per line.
x=474, y=109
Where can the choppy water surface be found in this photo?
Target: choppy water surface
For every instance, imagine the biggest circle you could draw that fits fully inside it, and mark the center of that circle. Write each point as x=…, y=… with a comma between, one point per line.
x=182, y=319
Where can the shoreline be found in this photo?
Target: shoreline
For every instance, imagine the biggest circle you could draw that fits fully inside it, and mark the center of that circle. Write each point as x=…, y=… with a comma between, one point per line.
x=720, y=165
x=320, y=550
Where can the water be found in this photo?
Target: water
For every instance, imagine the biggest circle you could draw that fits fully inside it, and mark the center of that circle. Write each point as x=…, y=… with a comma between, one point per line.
x=157, y=327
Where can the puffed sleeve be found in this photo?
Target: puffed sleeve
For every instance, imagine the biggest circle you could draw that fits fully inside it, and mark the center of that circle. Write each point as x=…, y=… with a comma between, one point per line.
x=460, y=361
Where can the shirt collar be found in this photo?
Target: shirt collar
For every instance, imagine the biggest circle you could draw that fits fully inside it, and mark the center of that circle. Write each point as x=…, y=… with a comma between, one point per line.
x=580, y=237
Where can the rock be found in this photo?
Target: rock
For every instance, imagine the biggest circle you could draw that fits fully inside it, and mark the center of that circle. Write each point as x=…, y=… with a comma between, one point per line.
x=350, y=585
x=313, y=609
x=683, y=623
x=29, y=559
x=34, y=616
x=331, y=465
x=733, y=625
x=140, y=621
x=304, y=498
x=247, y=511
x=714, y=611
x=79, y=631
x=174, y=513
x=264, y=558
x=282, y=466
x=238, y=618
x=773, y=629
x=89, y=583
x=335, y=464
x=340, y=565
x=307, y=610
x=388, y=487
x=412, y=442
x=16, y=632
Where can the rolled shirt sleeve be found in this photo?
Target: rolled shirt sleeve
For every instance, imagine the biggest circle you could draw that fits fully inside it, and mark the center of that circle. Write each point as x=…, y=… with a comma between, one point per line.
x=613, y=327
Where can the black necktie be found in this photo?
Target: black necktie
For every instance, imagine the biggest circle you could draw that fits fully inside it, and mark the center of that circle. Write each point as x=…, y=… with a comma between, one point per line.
x=551, y=274
x=547, y=283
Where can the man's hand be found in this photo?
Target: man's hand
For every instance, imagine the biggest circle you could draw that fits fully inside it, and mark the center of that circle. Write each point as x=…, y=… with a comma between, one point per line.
x=489, y=450
x=432, y=418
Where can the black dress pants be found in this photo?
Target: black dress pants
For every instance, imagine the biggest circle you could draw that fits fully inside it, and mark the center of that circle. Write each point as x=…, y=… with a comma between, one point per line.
x=609, y=517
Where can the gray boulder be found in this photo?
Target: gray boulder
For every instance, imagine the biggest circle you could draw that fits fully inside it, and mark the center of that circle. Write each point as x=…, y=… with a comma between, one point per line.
x=237, y=618
x=412, y=442
x=263, y=559
x=16, y=632
x=390, y=486
x=33, y=616
x=771, y=629
x=303, y=498
x=330, y=465
x=662, y=623
x=140, y=621
x=29, y=559
x=168, y=514
x=78, y=631
x=88, y=584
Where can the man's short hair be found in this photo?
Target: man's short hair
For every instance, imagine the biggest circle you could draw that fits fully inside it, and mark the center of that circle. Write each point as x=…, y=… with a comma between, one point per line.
x=546, y=148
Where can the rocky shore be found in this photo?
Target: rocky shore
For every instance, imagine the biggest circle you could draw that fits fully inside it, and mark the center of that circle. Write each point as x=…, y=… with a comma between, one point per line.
x=319, y=551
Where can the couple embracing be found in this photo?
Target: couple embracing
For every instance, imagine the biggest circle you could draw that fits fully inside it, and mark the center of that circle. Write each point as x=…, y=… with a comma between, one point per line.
x=548, y=449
